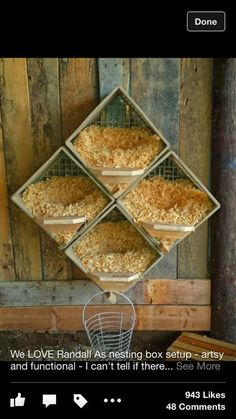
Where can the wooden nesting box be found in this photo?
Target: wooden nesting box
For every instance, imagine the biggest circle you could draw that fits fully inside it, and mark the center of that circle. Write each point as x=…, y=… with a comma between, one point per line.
x=168, y=202
x=113, y=251
x=117, y=142
x=62, y=197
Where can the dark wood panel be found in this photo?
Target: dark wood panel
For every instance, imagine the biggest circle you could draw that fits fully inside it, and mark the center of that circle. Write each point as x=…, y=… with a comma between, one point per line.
x=224, y=187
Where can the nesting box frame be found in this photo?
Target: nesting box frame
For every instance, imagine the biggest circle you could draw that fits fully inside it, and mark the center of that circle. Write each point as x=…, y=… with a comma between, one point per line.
x=61, y=163
x=104, y=280
x=170, y=167
x=118, y=109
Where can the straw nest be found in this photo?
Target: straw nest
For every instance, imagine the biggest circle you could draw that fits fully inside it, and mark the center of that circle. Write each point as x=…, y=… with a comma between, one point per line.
x=166, y=201
x=118, y=147
x=114, y=247
x=64, y=196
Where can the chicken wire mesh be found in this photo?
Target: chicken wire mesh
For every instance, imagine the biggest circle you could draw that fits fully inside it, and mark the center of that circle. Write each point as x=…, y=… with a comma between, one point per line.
x=109, y=330
x=120, y=112
x=62, y=166
x=168, y=169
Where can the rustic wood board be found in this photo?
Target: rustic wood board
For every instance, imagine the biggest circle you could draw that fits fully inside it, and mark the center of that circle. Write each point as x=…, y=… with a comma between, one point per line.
x=43, y=74
x=196, y=344
x=155, y=87
x=19, y=152
x=79, y=96
x=7, y=270
x=76, y=292
x=223, y=237
x=70, y=317
x=194, y=147
x=113, y=72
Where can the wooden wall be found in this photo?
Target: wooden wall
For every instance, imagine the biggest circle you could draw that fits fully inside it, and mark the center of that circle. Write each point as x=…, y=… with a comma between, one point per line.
x=44, y=100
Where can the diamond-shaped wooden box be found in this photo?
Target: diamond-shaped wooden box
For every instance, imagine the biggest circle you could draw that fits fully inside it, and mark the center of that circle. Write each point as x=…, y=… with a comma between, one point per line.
x=168, y=202
x=117, y=142
x=62, y=197
x=113, y=251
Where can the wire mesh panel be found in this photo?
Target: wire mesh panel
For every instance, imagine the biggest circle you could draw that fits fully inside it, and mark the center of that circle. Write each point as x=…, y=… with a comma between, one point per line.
x=129, y=142
x=120, y=113
x=62, y=166
x=168, y=202
x=167, y=169
x=109, y=330
x=62, y=197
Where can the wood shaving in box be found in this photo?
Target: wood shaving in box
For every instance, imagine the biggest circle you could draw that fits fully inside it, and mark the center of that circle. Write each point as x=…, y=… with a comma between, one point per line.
x=114, y=247
x=161, y=200
x=63, y=238
x=118, y=147
x=64, y=196
x=116, y=188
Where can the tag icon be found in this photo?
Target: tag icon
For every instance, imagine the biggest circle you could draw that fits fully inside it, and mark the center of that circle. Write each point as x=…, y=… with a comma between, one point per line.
x=80, y=400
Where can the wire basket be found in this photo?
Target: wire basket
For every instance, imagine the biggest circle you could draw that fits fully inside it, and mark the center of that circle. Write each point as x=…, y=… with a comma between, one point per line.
x=109, y=330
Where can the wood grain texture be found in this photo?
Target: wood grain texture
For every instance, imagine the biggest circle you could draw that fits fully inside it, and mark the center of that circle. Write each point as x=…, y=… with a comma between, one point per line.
x=154, y=291
x=167, y=291
x=79, y=96
x=113, y=72
x=43, y=80
x=194, y=146
x=7, y=271
x=224, y=187
x=197, y=344
x=18, y=145
x=155, y=87
x=70, y=317
x=78, y=91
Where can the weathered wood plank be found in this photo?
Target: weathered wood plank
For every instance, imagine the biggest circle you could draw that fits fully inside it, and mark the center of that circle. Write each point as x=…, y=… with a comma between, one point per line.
x=79, y=96
x=167, y=291
x=194, y=145
x=7, y=271
x=70, y=318
x=43, y=78
x=155, y=87
x=78, y=91
x=113, y=72
x=224, y=188
x=19, y=154
x=197, y=344
x=154, y=291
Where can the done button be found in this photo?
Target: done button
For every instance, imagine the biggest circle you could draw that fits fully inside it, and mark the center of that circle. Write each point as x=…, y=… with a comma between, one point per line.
x=206, y=21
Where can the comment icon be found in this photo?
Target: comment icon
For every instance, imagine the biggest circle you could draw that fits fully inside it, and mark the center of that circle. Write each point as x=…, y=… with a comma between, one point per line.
x=49, y=399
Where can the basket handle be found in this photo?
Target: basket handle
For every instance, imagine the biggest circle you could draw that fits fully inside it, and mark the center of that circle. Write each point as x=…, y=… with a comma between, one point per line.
x=105, y=292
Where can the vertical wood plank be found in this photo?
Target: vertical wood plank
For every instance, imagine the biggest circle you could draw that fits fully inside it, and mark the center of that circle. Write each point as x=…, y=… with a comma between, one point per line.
x=43, y=76
x=7, y=271
x=79, y=96
x=79, y=91
x=155, y=87
x=223, y=232
x=195, y=140
x=113, y=72
x=18, y=144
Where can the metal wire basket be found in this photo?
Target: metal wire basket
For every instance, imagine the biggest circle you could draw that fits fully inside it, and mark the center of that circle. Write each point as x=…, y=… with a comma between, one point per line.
x=110, y=330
